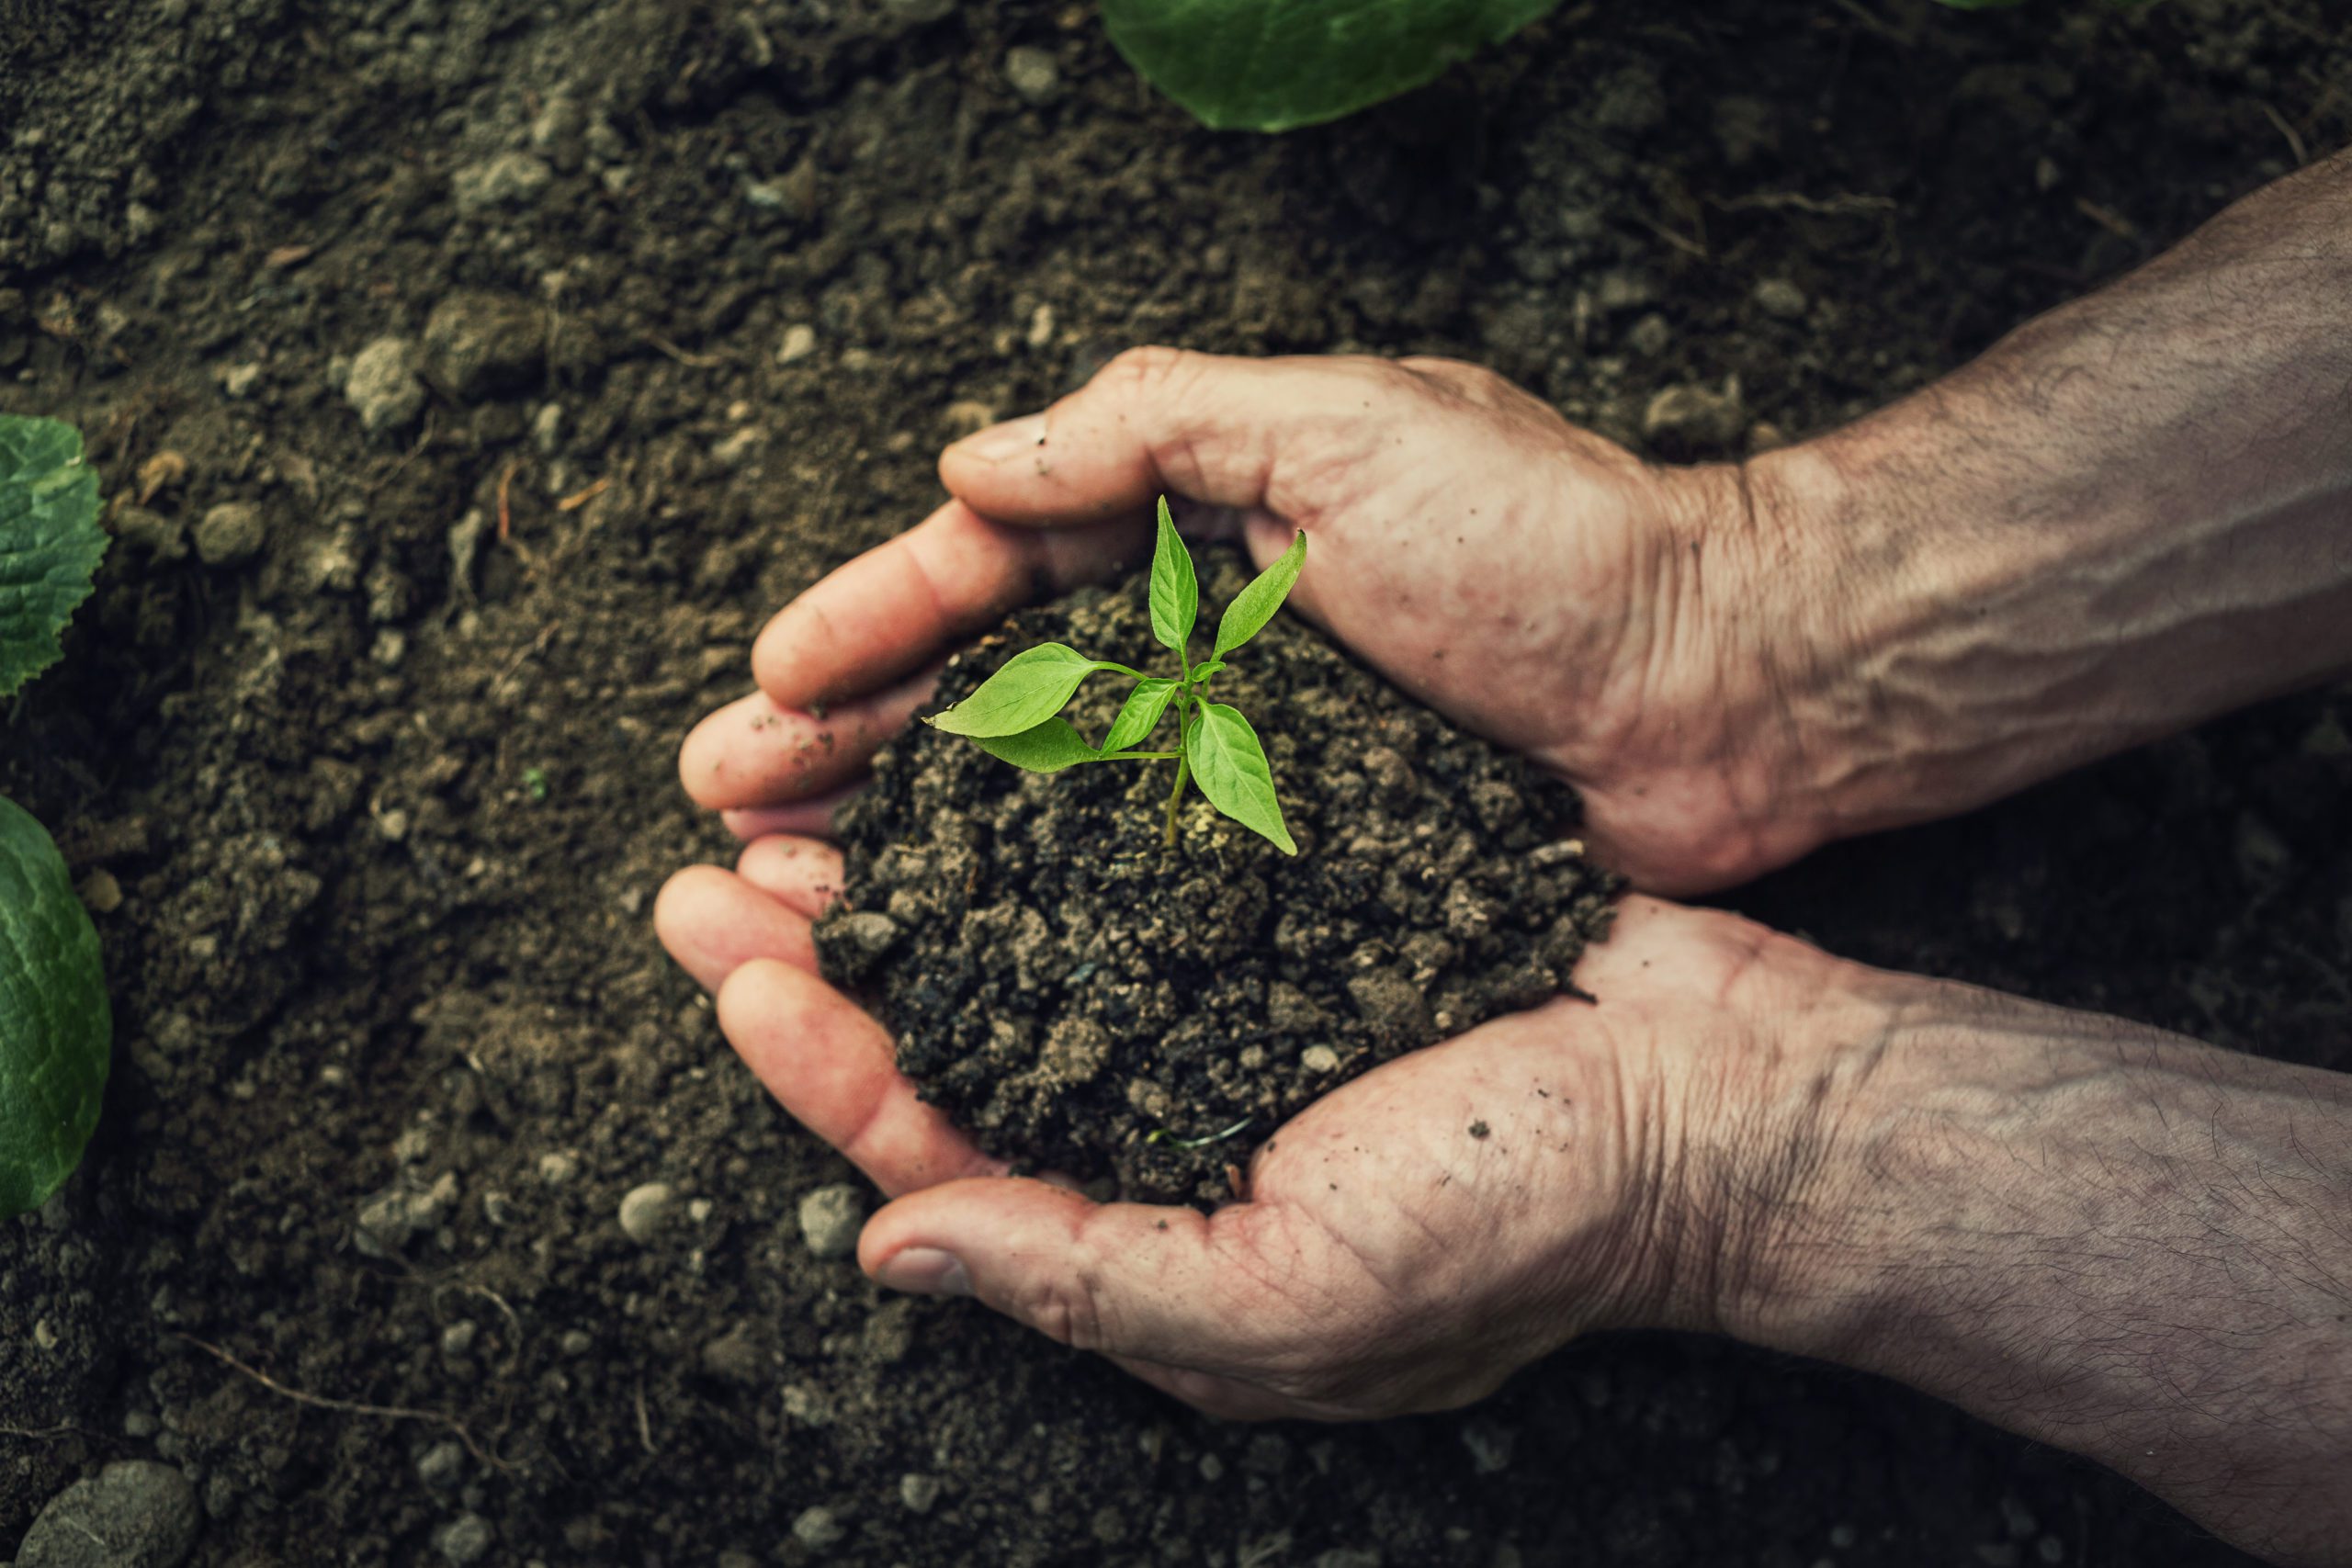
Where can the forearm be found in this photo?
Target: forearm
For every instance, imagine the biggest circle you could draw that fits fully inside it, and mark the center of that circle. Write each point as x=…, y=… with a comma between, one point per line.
x=2130, y=514
x=2106, y=1237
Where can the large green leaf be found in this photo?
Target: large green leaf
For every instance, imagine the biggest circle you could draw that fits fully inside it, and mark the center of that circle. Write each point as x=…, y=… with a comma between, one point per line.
x=1047, y=748
x=50, y=541
x=1233, y=772
x=56, y=1030
x=1029, y=689
x=1273, y=64
x=1255, y=605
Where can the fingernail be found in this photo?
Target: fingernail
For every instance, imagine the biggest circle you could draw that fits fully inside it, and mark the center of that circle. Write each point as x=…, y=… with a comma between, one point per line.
x=924, y=1272
x=1000, y=442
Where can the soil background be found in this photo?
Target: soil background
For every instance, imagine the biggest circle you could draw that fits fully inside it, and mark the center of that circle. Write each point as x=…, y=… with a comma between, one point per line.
x=380, y=766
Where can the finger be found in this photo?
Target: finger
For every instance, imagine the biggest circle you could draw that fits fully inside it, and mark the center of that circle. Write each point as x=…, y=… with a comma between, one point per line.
x=753, y=753
x=713, y=922
x=831, y=1066
x=906, y=603
x=812, y=817
x=804, y=875
x=1228, y=432
x=1124, y=1279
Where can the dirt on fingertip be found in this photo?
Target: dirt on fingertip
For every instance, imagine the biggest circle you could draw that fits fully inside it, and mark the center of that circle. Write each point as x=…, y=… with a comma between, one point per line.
x=1089, y=1000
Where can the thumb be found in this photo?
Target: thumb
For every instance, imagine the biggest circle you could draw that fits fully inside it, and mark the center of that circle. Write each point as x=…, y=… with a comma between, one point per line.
x=1214, y=429
x=1127, y=1280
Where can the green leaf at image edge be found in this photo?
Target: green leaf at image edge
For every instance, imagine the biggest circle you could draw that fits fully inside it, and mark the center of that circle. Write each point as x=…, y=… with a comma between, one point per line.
x=1230, y=767
x=1278, y=65
x=50, y=541
x=1255, y=605
x=56, y=1027
x=1027, y=689
x=1048, y=748
x=1175, y=591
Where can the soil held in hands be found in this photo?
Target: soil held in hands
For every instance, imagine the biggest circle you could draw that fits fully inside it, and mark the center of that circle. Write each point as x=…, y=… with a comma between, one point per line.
x=1085, y=1001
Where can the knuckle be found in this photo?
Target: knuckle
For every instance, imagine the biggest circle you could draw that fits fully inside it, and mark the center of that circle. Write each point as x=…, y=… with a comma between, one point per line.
x=1068, y=1311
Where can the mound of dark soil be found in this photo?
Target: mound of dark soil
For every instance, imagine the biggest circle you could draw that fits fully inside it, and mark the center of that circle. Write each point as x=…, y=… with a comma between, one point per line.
x=1089, y=1000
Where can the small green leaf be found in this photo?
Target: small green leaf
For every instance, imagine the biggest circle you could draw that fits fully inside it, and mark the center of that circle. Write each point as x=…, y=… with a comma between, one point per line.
x=1046, y=748
x=1029, y=689
x=1255, y=605
x=1140, y=714
x=1175, y=592
x=50, y=541
x=1202, y=671
x=56, y=1030
x=1232, y=771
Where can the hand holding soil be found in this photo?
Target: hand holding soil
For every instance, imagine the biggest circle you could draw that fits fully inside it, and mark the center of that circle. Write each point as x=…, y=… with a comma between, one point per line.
x=2119, y=1241
x=1622, y=624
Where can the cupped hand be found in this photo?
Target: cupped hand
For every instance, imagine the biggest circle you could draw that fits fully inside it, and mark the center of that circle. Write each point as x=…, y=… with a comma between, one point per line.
x=1642, y=630
x=1406, y=1242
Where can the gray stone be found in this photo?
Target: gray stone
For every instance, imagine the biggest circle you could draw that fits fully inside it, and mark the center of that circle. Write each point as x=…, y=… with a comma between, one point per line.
x=831, y=1219
x=230, y=533
x=1320, y=1059
x=477, y=343
x=799, y=342
x=383, y=387
x=443, y=1464
x=509, y=179
x=647, y=1209
x=918, y=1492
x=137, y=1514
x=818, y=1530
x=1779, y=296
x=466, y=1539
x=1033, y=74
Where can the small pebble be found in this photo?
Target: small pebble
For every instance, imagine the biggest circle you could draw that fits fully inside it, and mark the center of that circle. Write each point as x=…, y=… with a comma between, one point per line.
x=466, y=1539
x=1779, y=296
x=1320, y=1059
x=148, y=1512
x=230, y=533
x=646, y=1210
x=919, y=1492
x=1033, y=75
x=509, y=179
x=443, y=1463
x=382, y=384
x=818, y=1530
x=101, y=893
x=831, y=1219
x=799, y=342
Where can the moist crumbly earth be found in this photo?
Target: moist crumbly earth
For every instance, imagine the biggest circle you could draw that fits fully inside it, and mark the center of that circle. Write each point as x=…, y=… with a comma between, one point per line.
x=1088, y=1001
x=374, y=816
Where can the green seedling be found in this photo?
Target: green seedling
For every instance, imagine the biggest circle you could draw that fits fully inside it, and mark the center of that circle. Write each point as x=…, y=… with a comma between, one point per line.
x=1016, y=713
x=56, y=1030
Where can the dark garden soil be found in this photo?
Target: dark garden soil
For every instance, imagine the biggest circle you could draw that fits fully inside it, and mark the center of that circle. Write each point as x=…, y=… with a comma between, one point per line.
x=1091, y=1002
x=364, y=749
